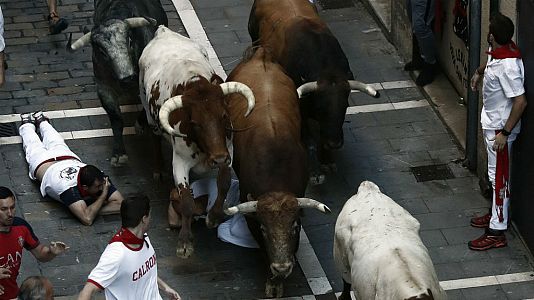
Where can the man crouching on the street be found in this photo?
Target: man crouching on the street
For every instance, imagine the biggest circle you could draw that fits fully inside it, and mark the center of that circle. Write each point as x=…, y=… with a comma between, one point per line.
x=83, y=188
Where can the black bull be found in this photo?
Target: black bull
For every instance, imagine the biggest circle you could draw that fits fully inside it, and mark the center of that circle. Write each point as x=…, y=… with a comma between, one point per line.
x=313, y=58
x=122, y=29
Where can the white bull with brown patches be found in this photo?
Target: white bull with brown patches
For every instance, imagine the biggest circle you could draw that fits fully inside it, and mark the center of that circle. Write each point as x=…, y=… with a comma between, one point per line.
x=379, y=252
x=185, y=102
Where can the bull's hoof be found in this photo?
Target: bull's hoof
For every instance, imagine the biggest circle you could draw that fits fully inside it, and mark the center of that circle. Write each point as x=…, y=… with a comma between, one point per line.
x=214, y=219
x=317, y=179
x=139, y=129
x=329, y=168
x=157, y=176
x=274, y=290
x=119, y=160
x=184, y=250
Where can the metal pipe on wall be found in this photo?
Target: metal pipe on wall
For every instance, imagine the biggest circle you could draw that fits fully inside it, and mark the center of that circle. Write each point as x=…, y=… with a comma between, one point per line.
x=475, y=10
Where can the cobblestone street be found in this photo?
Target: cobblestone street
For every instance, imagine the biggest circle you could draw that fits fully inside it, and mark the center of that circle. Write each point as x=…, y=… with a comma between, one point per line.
x=384, y=139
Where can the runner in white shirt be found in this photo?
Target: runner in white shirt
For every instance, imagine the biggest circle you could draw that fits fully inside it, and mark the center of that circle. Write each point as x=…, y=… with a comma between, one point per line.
x=504, y=102
x=128, y=267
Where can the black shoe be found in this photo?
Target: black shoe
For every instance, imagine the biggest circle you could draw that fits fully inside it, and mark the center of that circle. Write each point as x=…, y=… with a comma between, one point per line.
x=56, y=24
x=38, y=118
x=427, y=75
x=27, y=118
x=414, y=65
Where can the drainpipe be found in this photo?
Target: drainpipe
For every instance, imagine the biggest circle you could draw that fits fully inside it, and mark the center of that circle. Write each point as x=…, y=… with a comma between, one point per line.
x=472, y=97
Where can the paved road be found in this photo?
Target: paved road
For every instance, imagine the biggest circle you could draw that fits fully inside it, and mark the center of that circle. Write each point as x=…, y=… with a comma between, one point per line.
x=383, y=141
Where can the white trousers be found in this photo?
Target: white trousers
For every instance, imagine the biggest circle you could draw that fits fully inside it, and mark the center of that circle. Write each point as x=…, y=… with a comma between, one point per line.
x=489, y=136
x=37, y=151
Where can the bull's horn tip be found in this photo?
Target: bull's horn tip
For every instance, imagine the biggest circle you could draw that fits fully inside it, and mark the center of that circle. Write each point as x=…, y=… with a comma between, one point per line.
x=377, y=95
x=231, y=211
x=326, y=209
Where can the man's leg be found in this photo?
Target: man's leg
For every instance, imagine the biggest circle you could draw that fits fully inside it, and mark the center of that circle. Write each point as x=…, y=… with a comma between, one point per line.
x=34, y=149
x=53, y=141
x=494, y=236
x=422, y=14
x=56, y=24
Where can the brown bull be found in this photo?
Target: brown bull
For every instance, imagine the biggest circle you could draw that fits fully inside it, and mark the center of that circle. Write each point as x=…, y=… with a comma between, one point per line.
x=270, y=161
x=312, y=56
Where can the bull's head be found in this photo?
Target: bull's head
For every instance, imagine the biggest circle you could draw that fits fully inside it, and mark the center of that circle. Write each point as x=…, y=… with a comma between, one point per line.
x=111, y=45
x=206, y=120
x=330, y=98
x=278, y=215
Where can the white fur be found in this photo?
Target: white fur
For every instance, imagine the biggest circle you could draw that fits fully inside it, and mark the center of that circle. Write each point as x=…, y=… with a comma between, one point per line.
x=172, y=59
x=378, y=249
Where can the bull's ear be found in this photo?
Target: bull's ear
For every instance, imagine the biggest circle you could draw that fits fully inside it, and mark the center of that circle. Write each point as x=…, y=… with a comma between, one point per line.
x=249, y=197
x=216, y=79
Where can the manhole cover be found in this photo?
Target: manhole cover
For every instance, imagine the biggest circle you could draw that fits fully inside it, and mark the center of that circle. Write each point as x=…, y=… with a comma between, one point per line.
x=334, y=4
x=8, y=129
x=432, y=172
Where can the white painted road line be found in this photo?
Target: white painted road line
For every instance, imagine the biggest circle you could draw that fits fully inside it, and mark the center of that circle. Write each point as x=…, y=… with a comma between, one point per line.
x=352, y=110
x=196, y=33
x=486, y=281
x=73, y=135
x=71, y=113
x=311, y=267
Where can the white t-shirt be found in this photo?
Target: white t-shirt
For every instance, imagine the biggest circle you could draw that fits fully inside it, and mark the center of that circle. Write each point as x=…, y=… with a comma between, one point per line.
x=503, y=80
x=60, y=177
x=126, y=273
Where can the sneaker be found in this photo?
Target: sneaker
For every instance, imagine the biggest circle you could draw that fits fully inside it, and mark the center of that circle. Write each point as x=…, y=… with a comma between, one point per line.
x=27, y=118
x=481, y=222
x=39, y=117
x=56, y=24
x=488, y=240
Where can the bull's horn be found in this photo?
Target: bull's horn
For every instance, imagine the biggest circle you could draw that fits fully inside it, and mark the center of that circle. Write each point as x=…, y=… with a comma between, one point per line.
x=307, y=88
x=170, y=105
x=362, y=87
x=307, y=202
x=243, y=89
x=81, y=42
x=140, y=22
x=247, y=207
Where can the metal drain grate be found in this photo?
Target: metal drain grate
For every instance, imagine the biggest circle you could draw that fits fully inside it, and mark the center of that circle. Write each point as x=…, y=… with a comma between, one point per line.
x=8, y=129
x=334, y=4
x=432, y=172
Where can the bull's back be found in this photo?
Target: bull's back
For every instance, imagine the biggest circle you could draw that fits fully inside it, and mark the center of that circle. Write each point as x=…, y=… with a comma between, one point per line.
x=122, y=9
x=271, y=146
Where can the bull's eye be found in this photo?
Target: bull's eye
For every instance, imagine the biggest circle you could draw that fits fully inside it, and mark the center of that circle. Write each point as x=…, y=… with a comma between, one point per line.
x=296, y=227
x=195, y=125
x=262, y=229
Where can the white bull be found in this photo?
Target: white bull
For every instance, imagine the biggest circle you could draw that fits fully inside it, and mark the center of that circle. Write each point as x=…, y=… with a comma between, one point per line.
x=379, y=252
x=185, y=101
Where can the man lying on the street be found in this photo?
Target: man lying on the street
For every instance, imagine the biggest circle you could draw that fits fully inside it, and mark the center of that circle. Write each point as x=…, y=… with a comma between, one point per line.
x=83, y=188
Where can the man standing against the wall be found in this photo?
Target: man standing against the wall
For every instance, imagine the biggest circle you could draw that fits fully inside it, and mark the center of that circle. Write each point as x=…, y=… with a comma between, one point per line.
x=421, y=14
x=503, y=95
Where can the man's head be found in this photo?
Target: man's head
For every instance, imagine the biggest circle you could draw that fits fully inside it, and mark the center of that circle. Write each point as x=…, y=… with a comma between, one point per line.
x=135, y=211
x=36, y=288
x=7, y=207
x=92, y=180
x=501, y=28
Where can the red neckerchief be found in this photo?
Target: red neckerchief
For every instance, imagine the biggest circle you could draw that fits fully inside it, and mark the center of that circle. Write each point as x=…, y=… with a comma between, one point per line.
x=509, y=50
x=125, y=236
x=82, y=191
x=502, y=177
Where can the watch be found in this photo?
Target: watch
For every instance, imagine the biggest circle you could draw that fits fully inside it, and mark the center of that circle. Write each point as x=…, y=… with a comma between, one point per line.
x=505, y=132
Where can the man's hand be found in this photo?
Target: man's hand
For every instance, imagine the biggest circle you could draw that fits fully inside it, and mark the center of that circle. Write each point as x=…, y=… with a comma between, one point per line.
x=475, y=80
x=58, y=247
x=105, y=187
x=172, y=294
x=5, y=273
x=500, y=141
x=1, y=290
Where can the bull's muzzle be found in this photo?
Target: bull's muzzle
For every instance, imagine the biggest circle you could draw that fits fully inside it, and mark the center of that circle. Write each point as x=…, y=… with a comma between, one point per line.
x=281, y=269
x=216, y=161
